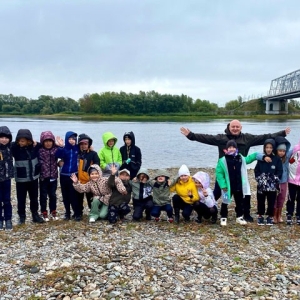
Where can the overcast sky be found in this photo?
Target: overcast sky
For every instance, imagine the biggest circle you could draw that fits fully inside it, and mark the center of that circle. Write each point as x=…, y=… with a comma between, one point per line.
x=207, y=49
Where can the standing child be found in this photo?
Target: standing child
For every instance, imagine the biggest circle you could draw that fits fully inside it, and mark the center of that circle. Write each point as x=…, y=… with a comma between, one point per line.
x=131, y=154
x=186, y=194
x=109, y=155
x=232, y=177
x=207, y=205
x=6, y=173
x=118, y=203
x=294, y=186
x=267, y=175
x=69, y=154
x=49, y=175
x=27, y=172
x=142, y=195
x=161, y=196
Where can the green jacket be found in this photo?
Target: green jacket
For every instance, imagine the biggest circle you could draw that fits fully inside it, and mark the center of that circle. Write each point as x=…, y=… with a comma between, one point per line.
x=222, y=173
x=161, y=190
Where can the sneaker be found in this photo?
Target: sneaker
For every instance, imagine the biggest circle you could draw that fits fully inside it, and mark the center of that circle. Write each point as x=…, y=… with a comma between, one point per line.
x=289, y=220
x=53, y=215
x=92, y=220
x=37, y=219
x=248, y=218
x=223, y=221
x=157, y=219
x=241, y=221
x=8, y=225
x=45, y=216
x=77, y=218
x=22, y=220
x=170, y=220
x=260, y=220
x=1, y=225
x=67, y=217
x=269, y=221
x=298, y=220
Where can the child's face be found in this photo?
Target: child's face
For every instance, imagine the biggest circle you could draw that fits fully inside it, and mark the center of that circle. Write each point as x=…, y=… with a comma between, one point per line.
x=127, y=141
x=23, y=142
x=161, y=179
x=72, y=141
x=48, y=144
x=110, y=143
x=231, y=149
x=94, y=175
x=84, y=146
x=268, y=149
x=124, y=176
x=281, y=153
x=4, y=140
x=143, y=177
x=184, y=178
x=198, y=184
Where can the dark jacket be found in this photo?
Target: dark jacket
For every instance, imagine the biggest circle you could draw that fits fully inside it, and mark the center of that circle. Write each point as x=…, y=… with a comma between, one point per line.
x=134, y=153
x=6, y=159
x=117, y=198
x=69, y=154
x=47, y=157
x=86, y=159
x=244, y=140
x=27, y=166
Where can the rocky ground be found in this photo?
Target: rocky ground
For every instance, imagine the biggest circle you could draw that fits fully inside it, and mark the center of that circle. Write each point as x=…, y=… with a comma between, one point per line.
x=148, y=260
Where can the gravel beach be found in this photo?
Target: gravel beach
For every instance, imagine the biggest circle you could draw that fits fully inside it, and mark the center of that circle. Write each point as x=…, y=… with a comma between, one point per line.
x=149, y=260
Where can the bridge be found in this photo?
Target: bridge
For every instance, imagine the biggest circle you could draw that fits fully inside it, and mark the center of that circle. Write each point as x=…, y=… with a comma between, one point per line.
x=282, y=88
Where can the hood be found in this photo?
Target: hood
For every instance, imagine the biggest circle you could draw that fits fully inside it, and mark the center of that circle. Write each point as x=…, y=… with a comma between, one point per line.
x=270, y=141
x=143, y=170
x=282, y=140
x=5, y=132
x=68, y=135
x=203, y=178
x=130, y=134
x=24, y=133
x=296, y=148
x=47, y=135
x=106, y=136
x=162, y=172
x=94, y=166
x=84, y=136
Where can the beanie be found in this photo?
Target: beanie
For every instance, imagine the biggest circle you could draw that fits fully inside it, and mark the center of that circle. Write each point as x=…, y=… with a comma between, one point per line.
x=281, y=147
x=231, y=143
x=184, y=170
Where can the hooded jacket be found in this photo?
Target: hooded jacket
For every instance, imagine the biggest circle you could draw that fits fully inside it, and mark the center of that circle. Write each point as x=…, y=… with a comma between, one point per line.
x=161, y=190
x=109, y=155
x=47, y=157
x=6, y=159
x=99, y=188
x=86, y=159
x=140, y=190
x=204, y=179
x=27, y=166
x=294, y=166
x=69, y=154
x=244, y=140
x=133, y=152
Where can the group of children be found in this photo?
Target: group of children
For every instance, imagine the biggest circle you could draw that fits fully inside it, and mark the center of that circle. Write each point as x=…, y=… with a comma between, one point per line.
x=113, y=177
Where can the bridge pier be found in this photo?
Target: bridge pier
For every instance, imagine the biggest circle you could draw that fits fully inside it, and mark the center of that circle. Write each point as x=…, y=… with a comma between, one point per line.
x=276, y=107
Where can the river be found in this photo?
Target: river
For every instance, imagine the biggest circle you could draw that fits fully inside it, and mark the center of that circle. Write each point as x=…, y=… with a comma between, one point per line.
x=162, y=144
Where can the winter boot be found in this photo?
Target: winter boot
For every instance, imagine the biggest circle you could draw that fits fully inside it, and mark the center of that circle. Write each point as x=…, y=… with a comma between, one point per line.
x=176, y=219
x=36, y=218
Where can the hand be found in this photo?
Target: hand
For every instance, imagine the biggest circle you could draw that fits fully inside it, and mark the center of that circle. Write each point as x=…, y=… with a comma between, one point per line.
x=124, y=193
x=59, y=141
x=113, y=169
x=74, y=178
x=268, y=159
x=184, y=131
x=224, y=190
x=204, y=192
x=287, y=130
x=169, y=182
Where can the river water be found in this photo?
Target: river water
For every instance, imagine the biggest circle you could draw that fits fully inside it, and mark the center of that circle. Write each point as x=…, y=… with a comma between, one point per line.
x=162, y=144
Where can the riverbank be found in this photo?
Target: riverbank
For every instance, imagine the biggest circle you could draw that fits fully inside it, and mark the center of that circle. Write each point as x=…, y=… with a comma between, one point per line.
x=148, y=260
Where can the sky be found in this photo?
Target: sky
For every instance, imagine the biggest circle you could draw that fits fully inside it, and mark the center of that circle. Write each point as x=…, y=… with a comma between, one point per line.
x=212, y=50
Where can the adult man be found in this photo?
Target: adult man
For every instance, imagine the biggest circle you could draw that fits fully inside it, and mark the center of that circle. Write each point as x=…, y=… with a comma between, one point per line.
x=244, y=142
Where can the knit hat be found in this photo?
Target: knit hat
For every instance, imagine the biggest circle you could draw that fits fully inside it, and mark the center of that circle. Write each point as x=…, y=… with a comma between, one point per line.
x=231, y=143
x=184, y=170
x=124, y=170
x=281, y=147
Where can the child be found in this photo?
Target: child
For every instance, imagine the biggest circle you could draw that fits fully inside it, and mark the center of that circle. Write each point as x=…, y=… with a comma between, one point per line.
x=268, y=176
x=294, y=186
x=86, y=158
x=131, y=154
x=232, y=177
x=27, y=172
x=109, y=154
x=186, y=194
x=97, y=185
x=207, y=205
x=69, y=154
x=118, y=203
x=284, y=153
x=161, y=196
x=142, y=195
x=49, y=175
x=6, y=173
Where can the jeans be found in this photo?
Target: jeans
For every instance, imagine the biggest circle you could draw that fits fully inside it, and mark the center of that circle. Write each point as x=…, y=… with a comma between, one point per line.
x=156, y=210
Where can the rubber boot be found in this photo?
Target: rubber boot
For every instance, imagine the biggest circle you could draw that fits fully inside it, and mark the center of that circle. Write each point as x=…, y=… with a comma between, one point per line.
x=275, y=216
x=279, y=215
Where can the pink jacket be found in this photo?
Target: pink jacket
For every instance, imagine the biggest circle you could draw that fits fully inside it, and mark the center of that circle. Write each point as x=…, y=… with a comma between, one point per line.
x=294, y=166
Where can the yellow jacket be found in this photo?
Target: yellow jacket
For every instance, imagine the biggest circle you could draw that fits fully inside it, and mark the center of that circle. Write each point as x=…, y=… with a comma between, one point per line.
x=182, y=189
